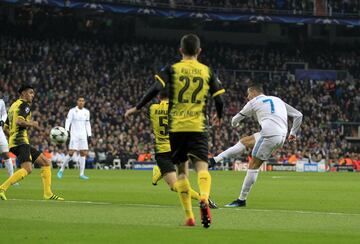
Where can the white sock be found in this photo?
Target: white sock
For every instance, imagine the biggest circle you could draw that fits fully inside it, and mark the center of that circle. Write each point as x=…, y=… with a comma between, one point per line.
x=9, y=166
x=230, y=152
x=66, y=162
x=82, y=165
x=250, y=179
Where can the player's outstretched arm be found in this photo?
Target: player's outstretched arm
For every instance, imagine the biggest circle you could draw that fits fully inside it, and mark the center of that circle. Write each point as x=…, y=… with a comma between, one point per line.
x=246, y=111
x=68, y=120
x=297, y=120
x=130, y=112
x=150, y=94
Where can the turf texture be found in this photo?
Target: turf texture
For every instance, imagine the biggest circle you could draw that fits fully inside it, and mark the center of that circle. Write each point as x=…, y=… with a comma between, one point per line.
x=123, y=207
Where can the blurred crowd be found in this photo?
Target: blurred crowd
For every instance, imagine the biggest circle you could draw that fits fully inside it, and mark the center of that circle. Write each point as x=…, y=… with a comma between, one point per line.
x=113, y=76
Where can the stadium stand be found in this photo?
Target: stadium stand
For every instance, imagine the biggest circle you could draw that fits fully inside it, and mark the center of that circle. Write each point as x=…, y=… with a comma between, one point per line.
x=303, y=7
x=112, y=77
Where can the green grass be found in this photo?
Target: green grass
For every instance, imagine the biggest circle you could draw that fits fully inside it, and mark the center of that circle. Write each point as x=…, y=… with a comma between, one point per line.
x=125, y=208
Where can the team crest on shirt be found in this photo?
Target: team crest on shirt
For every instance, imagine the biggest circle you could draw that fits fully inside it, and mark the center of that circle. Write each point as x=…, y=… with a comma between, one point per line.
x=27, y=110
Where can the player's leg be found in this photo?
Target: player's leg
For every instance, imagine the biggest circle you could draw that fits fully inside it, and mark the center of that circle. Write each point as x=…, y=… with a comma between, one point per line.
x=183, y=187
x=198, y=153
x=164, y=169
x=4, y=153
x=66, y=161
x=237, y=149
x=156, y=175
x=261, y=152
x=182, y=184
x=83, y=148
x=249, y=181
x=82, y=162
x=167, y=171
x=8, y=163
x=73, y=146
x=23, y=154
x=45, y=164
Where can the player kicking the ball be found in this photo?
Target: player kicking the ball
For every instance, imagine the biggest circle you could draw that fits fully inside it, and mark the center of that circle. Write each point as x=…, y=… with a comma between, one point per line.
x=78, y=123
x=272, y=114
x=18, y=123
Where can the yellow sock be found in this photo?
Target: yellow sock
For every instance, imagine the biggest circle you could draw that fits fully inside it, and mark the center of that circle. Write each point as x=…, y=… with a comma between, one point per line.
x=17, y=176
x=204, y=181
x=46, y=180
x=194, y=194
x=183, y=188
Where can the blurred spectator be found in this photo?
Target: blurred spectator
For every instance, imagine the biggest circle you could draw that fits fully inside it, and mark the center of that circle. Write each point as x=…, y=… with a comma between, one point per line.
x=114, y=75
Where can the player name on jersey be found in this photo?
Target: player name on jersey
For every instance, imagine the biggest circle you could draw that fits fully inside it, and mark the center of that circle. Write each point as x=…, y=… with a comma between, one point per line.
x=192, y=71
x=161, y=112
x=186, y=113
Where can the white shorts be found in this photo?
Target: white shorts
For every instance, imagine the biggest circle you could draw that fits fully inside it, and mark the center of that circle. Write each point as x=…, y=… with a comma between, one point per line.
x=265, y=146
x=257, y=136
x=78, y=144
x=4, y=146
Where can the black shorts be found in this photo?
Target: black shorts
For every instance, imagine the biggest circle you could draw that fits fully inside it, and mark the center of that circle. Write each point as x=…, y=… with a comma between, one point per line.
x=164, y=162
x=25, y=153
x=193, y=145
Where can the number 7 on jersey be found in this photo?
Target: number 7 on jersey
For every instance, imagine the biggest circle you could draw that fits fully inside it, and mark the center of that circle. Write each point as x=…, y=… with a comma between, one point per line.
x=271, y=104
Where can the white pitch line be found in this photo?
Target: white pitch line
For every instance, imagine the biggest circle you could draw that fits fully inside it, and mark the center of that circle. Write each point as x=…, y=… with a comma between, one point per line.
x=292, y=211
x=145, y=205
x=172, y=206
x=249, y=210
x=79, y=202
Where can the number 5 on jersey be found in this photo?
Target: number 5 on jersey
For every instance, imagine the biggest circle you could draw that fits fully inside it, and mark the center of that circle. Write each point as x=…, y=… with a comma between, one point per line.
x=163, y=123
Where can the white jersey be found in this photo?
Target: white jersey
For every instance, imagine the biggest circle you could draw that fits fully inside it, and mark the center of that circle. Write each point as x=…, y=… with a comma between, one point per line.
x=78, y=122
x=3, y=113
x=271, y=113
x=4, y=146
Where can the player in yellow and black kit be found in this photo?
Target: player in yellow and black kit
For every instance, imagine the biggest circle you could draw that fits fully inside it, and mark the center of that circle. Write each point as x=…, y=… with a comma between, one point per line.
x=17, y=125
x=189, y=82
x=165, y=167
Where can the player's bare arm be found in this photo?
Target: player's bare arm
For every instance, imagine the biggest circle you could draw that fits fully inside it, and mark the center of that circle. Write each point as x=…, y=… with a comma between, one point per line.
x=219, y=104
x=130, y=112
x=150, y=94
x=31, y=124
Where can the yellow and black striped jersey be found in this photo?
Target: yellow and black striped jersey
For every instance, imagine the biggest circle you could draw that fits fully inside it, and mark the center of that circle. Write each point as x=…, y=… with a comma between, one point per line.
x=189, y=83
x=18, y=135
x=159, y=121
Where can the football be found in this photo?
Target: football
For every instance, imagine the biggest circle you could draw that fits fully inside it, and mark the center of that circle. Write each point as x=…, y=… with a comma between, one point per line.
x=58, y=135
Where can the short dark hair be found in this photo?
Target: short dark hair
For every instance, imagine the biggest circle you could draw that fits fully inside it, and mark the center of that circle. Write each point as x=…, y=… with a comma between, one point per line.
x=163, y=94
x=81, y=96
x=256, y=86
x=24, y=87
x=190, y=44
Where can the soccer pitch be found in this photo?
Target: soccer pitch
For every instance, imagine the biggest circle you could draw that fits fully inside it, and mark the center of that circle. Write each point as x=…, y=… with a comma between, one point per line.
x=123, y=207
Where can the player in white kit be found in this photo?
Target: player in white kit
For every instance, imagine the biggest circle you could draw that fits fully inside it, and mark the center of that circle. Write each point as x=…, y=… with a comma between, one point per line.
x=78, y=123
x=272, y=114
x=4, y=146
